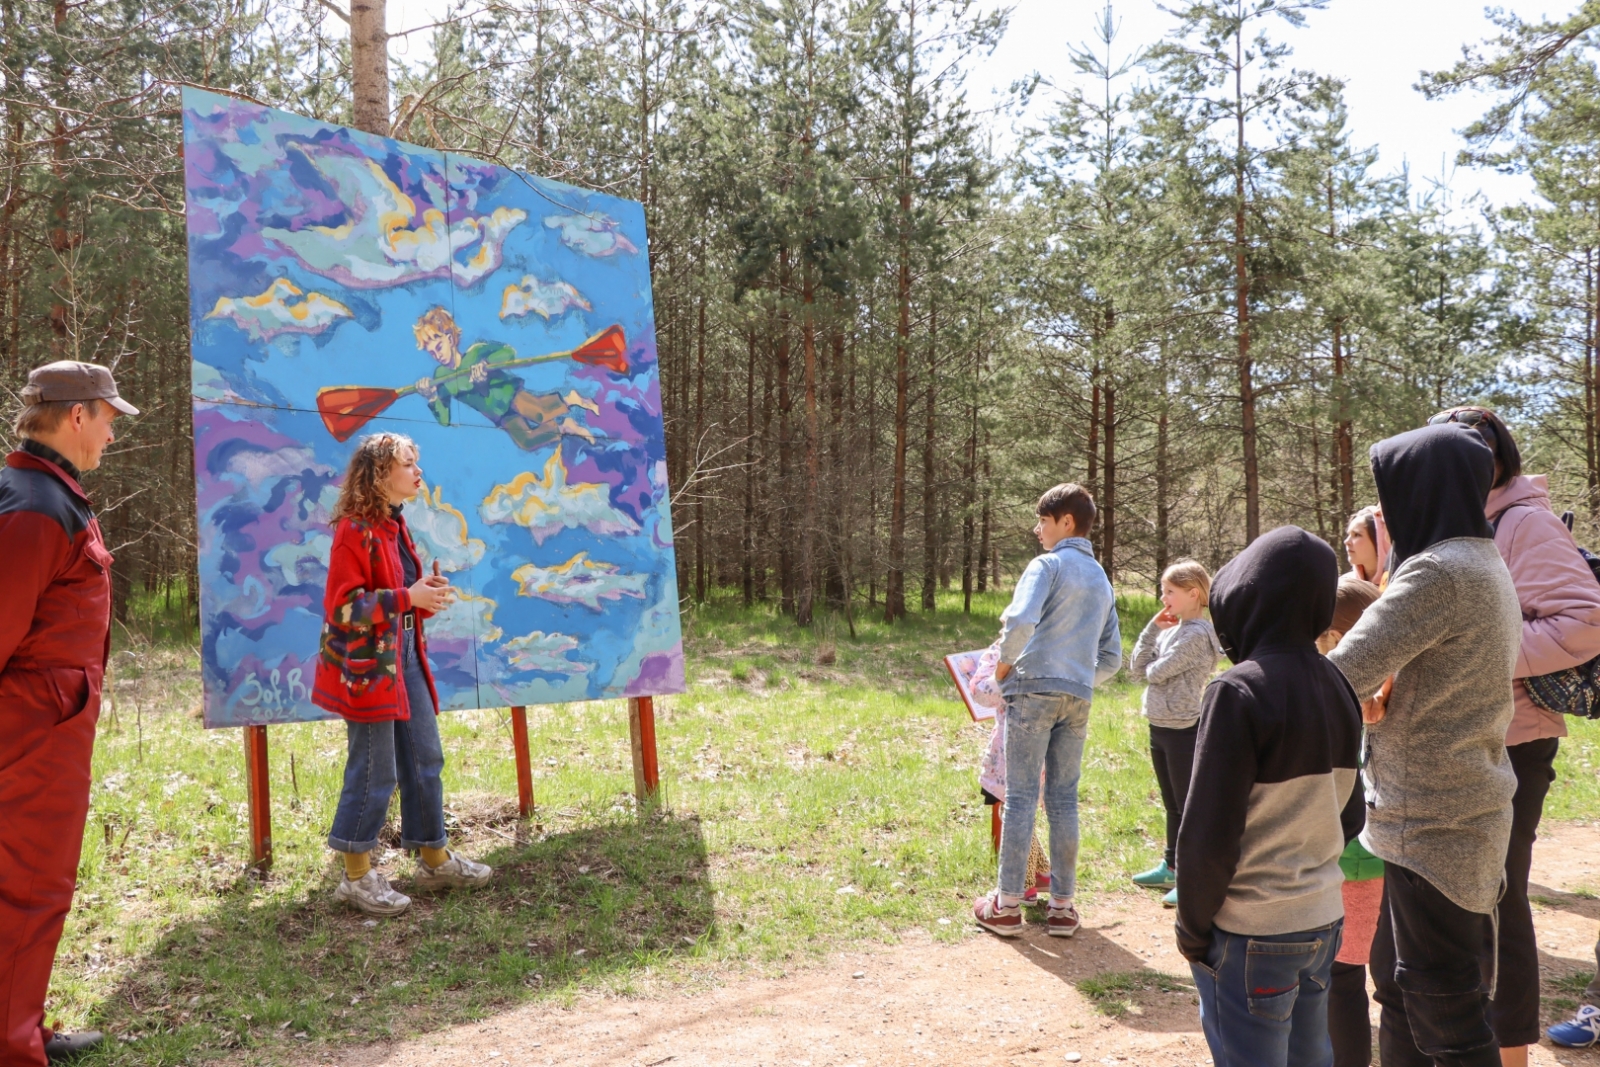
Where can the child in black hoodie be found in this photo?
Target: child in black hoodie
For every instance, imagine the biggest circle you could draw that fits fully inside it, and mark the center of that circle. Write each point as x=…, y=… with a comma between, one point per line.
x=1271, y=804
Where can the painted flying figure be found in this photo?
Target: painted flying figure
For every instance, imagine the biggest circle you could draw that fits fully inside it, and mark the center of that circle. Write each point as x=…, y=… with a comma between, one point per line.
x=532, y=420
x=479, y=378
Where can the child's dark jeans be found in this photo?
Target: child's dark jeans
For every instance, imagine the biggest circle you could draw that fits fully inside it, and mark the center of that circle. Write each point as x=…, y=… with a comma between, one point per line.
x=1264, y=997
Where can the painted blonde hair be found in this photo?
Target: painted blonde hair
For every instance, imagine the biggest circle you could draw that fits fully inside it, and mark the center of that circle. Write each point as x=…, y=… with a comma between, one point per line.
x=436, y=322
x=1189, y=574
x=362, y=497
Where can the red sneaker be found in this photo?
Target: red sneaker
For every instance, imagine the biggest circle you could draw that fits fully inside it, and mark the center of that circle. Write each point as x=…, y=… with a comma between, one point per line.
x=1061, y=922
x=1007, y=922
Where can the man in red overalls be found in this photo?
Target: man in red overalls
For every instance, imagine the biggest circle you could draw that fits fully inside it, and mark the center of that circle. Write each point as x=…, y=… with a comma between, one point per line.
x=55, y=636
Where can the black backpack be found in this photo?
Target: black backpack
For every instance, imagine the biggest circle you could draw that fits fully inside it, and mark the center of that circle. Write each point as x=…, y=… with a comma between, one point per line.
x=1576, y=690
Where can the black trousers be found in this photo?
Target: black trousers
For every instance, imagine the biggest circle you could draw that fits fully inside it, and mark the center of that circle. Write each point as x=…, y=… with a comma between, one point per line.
x=1514, y=1012
x=1172, y=754
x=1349, y=1025
x=1430, y=967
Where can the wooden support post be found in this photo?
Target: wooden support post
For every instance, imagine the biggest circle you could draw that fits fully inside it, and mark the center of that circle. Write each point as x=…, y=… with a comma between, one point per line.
x=260, y=793
x=642, y=731
x=519, y=742
x=994, y=827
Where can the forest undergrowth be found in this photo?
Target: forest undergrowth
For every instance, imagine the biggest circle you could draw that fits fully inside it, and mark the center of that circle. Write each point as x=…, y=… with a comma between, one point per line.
x=819, y=791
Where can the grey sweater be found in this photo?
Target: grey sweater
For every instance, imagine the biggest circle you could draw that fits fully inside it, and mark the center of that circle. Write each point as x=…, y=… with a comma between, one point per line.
x=1176, y=663
x=1438, y=782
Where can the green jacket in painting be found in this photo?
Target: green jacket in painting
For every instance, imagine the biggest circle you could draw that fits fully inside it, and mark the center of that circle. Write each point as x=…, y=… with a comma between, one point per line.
x=492, y=398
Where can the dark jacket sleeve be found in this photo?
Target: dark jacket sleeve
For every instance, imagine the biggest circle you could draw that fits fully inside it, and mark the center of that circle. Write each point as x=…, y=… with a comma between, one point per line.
x=1214, y=813
x=35, y=549
x=1353, y=819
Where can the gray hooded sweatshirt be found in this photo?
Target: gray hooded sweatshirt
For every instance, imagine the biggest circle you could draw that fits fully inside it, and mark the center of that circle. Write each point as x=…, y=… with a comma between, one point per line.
x=1448, y=627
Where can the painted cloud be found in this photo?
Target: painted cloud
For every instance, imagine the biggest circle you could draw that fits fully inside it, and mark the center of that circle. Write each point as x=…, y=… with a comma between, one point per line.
x=300, y=563
x=543, y=652
x=548, y=505
x=548, y=299
x=283, y=308
x=579, y=580
x=593, y=235
x=440, y=532
x=257, y=464
x=384, y=240
x=469, y=618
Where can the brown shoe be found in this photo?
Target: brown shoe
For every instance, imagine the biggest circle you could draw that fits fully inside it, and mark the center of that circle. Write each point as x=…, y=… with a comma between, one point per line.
x=1007, y=922
x=1061, y=922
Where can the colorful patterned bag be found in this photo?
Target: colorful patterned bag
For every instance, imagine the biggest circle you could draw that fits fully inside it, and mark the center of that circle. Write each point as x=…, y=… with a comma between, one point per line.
x=1576, y=690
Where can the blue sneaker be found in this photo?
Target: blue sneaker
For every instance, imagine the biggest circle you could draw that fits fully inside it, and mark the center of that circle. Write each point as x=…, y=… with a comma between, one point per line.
x=1158, y=877
x=1170, y=900
x=1581, y=1031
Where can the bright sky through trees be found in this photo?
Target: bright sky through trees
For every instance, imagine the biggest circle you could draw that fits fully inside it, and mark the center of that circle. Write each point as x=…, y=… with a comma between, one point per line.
x=1379, y=47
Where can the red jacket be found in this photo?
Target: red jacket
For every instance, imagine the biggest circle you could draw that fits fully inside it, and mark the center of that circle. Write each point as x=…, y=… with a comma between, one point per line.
x=56, y=626
x=358, y=674
x=55, y=630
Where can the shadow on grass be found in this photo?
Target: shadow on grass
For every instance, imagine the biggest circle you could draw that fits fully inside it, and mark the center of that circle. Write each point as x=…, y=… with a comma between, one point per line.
x=1119, y=983
x=565, y=911
x=1583, y=903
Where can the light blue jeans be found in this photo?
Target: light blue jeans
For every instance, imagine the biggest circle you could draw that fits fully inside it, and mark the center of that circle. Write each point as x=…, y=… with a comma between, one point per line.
x=1042, y=730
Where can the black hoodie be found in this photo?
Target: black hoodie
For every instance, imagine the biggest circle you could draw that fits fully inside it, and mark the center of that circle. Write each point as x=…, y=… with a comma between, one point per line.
x=1433, y=484
x=1271, y=801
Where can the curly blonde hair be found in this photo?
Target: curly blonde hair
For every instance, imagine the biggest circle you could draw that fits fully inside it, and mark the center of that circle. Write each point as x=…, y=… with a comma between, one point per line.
x=362, y=496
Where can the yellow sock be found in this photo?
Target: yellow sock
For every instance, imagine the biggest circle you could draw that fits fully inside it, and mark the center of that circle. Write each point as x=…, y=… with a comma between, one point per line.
x=356, y=864
x=434, y=857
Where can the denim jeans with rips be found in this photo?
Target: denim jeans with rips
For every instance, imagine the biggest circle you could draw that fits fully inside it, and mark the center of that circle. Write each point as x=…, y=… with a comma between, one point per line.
x=1042, y=730
x=381, y=755
x=1264, y=997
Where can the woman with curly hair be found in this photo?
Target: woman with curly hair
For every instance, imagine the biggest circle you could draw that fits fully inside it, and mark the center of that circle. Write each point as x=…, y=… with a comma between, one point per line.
x=373, y=672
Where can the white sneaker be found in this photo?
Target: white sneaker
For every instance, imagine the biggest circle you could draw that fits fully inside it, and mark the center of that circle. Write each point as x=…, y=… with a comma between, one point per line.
x=371, y=893
x=455, y=872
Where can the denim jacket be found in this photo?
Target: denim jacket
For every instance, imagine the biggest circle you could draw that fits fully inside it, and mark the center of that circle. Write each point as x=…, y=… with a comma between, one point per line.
x=1060, y=633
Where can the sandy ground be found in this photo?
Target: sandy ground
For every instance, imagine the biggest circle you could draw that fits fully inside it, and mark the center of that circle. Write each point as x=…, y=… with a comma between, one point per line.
x=980, y=1002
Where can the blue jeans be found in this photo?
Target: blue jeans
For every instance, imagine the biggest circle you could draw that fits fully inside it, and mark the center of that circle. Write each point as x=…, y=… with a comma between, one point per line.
x=383, y=754
x=1042, y=730
x=1264, y=998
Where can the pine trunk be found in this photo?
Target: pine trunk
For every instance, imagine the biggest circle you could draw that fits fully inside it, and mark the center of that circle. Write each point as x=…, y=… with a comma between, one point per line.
x=894, y=593
x=369, y=65
x=1247, y=396
x=930, y=488
x=747, y=531
x=696, y=446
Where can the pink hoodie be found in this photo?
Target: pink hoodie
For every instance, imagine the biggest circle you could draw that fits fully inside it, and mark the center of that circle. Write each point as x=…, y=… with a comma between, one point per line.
x=1559, y=595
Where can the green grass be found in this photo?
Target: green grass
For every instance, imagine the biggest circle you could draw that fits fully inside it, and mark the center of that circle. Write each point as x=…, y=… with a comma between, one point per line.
x=1574, y=983
x=1114, y=993
x=820, y=790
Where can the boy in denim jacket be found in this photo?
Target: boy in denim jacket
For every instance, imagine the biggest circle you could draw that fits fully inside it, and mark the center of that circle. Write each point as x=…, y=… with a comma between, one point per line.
x=1059, y=639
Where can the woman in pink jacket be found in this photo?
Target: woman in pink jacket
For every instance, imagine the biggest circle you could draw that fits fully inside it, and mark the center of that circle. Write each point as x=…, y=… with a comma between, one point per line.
x=1560, y=629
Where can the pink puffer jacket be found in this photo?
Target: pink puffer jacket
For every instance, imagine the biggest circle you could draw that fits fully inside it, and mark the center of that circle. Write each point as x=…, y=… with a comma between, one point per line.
x=1559, y=595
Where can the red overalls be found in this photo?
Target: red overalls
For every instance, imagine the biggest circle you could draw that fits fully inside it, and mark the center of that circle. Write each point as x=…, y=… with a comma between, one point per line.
x=55, y=636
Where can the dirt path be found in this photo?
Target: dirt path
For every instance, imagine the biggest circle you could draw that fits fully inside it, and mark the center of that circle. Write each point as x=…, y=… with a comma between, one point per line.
x=980, y=1002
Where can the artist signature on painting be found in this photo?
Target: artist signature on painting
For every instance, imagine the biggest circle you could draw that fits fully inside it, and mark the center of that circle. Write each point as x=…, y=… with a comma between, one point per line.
x=285, y=691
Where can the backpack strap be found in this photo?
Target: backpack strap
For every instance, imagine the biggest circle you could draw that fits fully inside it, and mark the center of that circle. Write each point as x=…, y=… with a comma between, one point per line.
x=1494, y=526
